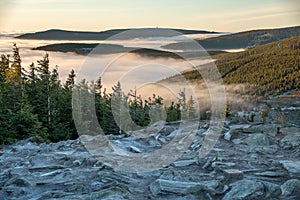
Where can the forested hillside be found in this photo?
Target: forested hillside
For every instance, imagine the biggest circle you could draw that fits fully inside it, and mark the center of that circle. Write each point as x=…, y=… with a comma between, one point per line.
x=271, y=69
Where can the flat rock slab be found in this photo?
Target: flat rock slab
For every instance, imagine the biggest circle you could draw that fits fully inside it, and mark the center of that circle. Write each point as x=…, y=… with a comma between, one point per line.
x=257, y=140
x=184, y=163
x=293, y=167
x=270, y=174
x=161, y=186
x=239, y=126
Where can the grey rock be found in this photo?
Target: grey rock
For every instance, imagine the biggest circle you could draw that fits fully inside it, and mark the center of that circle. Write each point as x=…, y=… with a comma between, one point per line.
x=250, y=130
x=233, y=174
x=290, y=130
x=151, y=130
x=239, y=126
x=67, y=171
x=147, y=175
x=292, y=140
x=134, y=149
x=226, y=164
x=19, y=181
x=237, y=141
x=161, y=186
x=271, y=149
x=245, y=189
x=52, y=173
x=270, y=174
x=184, y=163
x=117, y=176
x=257, y=140
x=291, y=187
x=271, y=190
x=269, y=129
x=227, y=136
x=293, y=167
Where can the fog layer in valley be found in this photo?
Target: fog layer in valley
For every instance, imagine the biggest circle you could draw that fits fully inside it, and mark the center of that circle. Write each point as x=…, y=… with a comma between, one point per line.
x=133, y=71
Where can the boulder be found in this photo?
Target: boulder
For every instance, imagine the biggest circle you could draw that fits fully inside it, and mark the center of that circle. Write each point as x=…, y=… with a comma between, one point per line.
x=271, y=190
x=291, y=187
x=245, y=189
x=293, y=167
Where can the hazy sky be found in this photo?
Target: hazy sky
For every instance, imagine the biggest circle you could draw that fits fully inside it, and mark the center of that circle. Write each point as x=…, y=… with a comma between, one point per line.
x=96, y=15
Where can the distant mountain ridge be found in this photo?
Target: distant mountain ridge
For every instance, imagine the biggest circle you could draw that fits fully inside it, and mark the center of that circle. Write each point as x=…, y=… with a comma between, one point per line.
x=241, y=40
x=102, y=49
x=57, y=34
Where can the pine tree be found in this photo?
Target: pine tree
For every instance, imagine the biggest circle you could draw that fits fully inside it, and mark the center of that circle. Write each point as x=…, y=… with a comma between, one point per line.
x=190, y=107
x=182, y=104
x=70, y=80
x=43, y=92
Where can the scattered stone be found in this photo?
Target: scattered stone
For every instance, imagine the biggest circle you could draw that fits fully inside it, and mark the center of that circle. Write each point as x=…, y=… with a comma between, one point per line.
x=271, y=149
x=135, y=149
x=67, y=171
x=233, y=174
x=110, y=194
x=257, y=140
x=77, y=162
x=161, y=186
x=250, y=130
x=53, y=173
x=291, y=187
x=239, y=126
x=271, y=190
x=227, y=136
x=184, y=163
x=237, y=141
x=270, y=174
x=220, y=164
x=293, y=167
x=245, y=189
x=292, y=140
x=151, y=130
x=270, y=129
x=208, y=162
x=289, y=130
x=19, y=181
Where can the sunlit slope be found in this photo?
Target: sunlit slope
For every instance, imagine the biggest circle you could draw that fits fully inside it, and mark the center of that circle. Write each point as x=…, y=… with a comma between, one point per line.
x=270, y=69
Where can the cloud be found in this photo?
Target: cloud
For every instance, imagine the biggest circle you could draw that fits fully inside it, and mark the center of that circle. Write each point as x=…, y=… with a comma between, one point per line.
x=268, y=16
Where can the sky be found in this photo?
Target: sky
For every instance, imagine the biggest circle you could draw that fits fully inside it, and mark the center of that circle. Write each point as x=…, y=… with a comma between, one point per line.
x=97, y=15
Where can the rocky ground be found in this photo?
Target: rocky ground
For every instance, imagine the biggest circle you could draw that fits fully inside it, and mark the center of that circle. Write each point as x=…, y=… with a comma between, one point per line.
x=251, y=160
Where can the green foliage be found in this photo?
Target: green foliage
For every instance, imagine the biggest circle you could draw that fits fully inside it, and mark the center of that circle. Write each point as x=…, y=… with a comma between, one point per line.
x=35, y=103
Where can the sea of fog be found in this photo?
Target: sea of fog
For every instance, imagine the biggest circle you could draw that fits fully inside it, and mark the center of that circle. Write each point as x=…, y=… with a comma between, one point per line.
x=133, y=71
x=123, y=66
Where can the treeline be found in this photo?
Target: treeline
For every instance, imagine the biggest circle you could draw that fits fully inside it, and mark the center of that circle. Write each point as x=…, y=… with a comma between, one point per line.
x=34, y=102
x=270, y=69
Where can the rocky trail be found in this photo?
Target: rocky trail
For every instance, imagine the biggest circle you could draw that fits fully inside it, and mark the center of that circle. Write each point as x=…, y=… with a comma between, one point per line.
x=251, y=160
